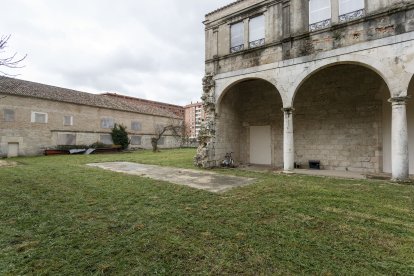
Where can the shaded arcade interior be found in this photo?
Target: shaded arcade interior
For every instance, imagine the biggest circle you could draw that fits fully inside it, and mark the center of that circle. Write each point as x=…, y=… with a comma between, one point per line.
x=338, y=119
x=250, y=123
x=342, y=118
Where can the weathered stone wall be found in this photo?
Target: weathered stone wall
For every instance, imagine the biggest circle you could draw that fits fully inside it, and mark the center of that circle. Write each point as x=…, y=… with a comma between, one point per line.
x=33, y=137
x=251, y=103
x=338, y=119
x=228, y=128
x=287, y=31
x=342, y=118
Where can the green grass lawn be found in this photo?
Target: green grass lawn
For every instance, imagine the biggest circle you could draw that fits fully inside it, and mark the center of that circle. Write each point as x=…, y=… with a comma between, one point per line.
x=60, y=217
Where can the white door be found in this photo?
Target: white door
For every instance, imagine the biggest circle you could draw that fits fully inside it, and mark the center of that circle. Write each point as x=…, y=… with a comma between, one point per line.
x=13, y=150
x=260, y=145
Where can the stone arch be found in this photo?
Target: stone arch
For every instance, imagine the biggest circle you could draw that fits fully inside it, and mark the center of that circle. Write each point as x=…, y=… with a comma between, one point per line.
x=381, y=70
x=410, y=91
x=249, y=122
x=229, y=84
x=338, y=117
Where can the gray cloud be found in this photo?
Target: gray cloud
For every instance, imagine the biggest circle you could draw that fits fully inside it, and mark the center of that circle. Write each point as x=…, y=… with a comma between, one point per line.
x=149, y=48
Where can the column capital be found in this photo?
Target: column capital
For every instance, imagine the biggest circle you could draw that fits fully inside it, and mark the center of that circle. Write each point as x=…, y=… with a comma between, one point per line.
x=288, y=110
x=399, y=100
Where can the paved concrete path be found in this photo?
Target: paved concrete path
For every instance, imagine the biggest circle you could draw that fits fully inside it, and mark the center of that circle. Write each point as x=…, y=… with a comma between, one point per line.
x=203, y=180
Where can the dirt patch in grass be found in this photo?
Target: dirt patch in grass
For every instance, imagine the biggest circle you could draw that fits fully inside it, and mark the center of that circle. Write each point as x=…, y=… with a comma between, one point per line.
x=4, y=163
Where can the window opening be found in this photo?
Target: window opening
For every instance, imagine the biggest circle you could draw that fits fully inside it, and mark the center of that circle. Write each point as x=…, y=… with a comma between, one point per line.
x=39, y=117
x=257, y=31
x=68, y=120
x=319, y=14
x=8, y=115
x=107, y=123
x=351, y=9
x=237, y=37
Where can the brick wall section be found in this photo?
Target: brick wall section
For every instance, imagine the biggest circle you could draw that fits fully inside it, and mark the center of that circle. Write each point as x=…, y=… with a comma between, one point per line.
x=338, y=119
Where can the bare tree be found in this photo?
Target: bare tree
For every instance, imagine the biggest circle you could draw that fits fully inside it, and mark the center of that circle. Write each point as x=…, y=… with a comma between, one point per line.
x=185, y=135
x=10, y=61
x=173, y=128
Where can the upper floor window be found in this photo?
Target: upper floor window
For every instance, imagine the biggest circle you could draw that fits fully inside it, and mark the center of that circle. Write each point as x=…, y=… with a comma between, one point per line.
x=257, y=31
x=68, y=120
x=107, y=123
x=351, y=9
x=136, y=126
x=319, y=14
x=237, y=37
x=39, y=117
x=8, y=115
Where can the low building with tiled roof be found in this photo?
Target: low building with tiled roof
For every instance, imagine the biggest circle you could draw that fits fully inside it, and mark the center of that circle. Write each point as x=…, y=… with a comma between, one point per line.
x=36, y=116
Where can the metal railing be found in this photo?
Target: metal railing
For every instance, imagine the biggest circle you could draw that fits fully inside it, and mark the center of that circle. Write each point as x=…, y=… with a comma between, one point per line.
x=320, y=25
x=257, y=43
x=237, y=48
x=352, y=15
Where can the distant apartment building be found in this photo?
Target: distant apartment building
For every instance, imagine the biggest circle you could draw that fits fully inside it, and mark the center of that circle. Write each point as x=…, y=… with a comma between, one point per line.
x=35, y=116
x=194, y=116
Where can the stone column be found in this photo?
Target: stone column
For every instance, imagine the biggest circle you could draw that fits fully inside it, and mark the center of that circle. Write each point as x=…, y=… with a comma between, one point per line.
x=399, y=137
x=288, y=142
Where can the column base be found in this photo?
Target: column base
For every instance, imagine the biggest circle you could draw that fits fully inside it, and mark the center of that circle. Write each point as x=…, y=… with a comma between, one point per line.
x=403, y=181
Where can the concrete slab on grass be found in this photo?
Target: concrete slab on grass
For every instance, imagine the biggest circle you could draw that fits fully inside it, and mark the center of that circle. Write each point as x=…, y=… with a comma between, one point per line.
x=203, y=180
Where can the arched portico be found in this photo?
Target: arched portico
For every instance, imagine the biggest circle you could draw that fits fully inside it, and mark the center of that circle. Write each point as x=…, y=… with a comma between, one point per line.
x=249, y=122
x=338, y=118
x=382, y=71
x=357, y=133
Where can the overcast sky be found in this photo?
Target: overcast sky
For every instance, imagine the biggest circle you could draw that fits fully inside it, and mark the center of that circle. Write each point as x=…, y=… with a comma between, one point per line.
x=152, y=49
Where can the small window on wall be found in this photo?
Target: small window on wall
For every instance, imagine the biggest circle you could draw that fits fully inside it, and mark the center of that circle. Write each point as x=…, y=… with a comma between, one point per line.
x=237, y=37
x=319, y=14
x=351, y=9
x=136, y=126
x=257, y=31
x=107, y=123
x=8, y=115
x=66, y=139
x=68, y=120
x=39, y=117
x=161, y=142
x=136, y=140
x=106, y=139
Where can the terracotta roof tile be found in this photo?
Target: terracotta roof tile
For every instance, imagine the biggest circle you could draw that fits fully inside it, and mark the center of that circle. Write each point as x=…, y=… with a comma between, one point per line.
x=18, y=87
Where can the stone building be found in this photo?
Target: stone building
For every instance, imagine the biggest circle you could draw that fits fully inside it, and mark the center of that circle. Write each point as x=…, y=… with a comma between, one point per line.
x=35, y=116
x=327, y=80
